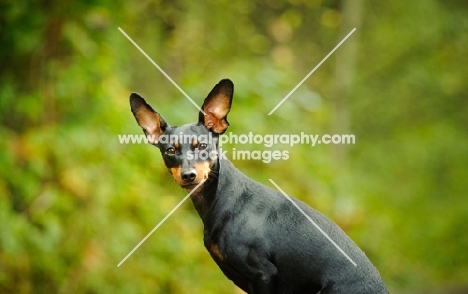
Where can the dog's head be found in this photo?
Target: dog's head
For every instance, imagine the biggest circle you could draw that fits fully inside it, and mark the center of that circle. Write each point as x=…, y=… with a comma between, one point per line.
x=189, y=151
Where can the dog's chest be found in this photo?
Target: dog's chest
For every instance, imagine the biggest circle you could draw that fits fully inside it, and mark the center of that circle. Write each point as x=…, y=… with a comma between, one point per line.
x=215, y=251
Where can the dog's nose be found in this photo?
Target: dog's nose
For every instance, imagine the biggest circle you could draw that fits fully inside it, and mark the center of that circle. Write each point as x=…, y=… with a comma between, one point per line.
x=189, y=175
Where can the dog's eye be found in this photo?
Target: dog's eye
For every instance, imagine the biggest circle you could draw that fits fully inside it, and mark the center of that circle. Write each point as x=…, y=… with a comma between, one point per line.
x=170, y=151
x=202, y=146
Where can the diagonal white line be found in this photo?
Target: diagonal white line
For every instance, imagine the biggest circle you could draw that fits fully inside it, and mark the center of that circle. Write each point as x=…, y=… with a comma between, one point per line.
x=160, y=223
x=161, y=70
x=311, y=72
x=318, y=228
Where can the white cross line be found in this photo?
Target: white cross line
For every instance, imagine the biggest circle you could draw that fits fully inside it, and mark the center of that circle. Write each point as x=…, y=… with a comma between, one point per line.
x=318, y=228
x=161, y=222
x=161, y=70
x=311, y=72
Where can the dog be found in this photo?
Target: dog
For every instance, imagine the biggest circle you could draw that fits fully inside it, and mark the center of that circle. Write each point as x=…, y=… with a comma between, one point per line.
x=256, y=236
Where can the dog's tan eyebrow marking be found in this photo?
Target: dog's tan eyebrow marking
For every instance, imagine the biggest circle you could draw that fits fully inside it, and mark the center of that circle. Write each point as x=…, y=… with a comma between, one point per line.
x=195, y=143
x=176, y=145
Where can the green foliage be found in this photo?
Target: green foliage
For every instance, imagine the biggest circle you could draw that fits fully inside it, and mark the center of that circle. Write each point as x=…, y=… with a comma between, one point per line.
x=74, y=201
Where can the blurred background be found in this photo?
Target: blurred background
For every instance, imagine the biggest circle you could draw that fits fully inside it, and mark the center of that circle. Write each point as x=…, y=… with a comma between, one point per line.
x=74, y=201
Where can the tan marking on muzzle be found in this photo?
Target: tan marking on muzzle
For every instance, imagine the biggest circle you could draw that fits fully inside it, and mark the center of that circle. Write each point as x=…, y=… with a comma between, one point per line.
x=176, y=174
x=203, y=171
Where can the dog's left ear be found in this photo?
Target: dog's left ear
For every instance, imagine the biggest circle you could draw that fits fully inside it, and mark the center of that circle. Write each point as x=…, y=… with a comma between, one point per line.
x=217, y=106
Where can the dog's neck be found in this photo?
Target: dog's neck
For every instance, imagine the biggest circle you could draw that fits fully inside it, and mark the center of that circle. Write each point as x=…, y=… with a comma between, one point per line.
x=222, y=185
x=204, y=196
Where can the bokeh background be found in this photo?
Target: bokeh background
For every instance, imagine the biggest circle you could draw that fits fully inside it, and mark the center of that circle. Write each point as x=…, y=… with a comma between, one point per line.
x=74, y=201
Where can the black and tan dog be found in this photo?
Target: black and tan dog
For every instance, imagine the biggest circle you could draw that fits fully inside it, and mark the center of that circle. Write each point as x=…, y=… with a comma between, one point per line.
x=257, y=237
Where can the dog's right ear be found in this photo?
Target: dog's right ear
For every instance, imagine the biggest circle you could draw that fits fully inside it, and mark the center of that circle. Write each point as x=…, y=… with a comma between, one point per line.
x=217, y=106
x=149, y=120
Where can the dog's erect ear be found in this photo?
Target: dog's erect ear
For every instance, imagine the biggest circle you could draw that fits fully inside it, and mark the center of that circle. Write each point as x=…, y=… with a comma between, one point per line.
x=149, y=120
x=217, y=106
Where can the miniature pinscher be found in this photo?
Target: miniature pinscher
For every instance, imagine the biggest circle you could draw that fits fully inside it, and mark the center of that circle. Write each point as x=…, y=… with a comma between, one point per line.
x=256, y=236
